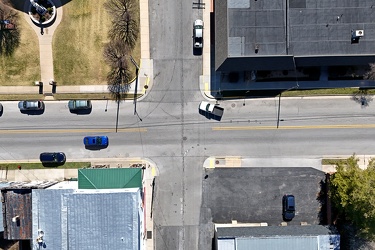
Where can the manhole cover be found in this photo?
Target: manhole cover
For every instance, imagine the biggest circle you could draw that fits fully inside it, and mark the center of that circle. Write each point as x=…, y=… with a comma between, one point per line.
x=233, y=105
x=184, y=138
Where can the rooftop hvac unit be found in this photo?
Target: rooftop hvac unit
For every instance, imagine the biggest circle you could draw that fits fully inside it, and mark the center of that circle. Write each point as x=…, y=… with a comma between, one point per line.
x=359, y=33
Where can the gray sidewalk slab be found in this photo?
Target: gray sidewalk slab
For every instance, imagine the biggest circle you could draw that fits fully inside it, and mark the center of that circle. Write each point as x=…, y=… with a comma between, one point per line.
x=237, y=161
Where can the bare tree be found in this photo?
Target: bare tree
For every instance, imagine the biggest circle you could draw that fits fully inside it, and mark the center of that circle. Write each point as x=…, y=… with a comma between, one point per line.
x=124, y=22
x=118, y=7
x=9, y=37
x=116, y=55
x=370, y=75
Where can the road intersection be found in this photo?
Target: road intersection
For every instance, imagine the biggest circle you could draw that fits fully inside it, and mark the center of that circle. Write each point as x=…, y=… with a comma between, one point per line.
x=179, y=140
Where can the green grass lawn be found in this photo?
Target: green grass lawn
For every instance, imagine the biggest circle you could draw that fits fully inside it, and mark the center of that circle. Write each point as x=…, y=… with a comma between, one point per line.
x=318, y=92
x=79, y=41
x=333, y=161
x=22, y=68
x=14, y=166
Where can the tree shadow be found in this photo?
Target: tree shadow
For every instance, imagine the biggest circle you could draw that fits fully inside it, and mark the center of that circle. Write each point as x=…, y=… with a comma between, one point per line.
x=362, y=97
x=9, y=36
x=349, y=238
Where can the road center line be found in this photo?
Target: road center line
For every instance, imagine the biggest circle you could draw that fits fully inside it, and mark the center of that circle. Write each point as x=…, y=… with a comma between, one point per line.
x=341, y=126
x=50, y=131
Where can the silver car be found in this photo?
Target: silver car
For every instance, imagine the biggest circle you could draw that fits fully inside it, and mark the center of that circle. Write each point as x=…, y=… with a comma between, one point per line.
x=79, y=104
x=31, y=105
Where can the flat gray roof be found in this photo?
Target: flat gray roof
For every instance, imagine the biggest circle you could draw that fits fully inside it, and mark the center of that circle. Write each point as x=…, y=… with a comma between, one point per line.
x=302, y=28
x=307, y=27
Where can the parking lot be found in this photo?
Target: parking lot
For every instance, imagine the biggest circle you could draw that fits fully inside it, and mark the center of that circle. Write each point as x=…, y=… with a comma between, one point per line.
x=254, y=195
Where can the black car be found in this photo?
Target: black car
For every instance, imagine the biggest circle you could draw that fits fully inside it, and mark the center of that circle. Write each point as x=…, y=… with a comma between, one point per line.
x=52, y=157
x=289, y=207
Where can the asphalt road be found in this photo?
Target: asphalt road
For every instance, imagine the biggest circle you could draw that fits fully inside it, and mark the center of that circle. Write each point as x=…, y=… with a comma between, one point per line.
x=178, y=139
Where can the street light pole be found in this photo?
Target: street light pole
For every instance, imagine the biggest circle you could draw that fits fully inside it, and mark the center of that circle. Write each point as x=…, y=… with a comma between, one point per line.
x=278, y=111
x=118, y=109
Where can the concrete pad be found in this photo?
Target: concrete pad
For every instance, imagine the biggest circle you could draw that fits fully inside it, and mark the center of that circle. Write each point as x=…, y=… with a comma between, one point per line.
x=28, y=175
x=70, y=173
x=11, y=175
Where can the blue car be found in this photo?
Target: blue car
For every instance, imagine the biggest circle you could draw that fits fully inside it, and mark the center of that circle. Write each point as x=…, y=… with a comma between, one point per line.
x=52, y=157
x=95, y=141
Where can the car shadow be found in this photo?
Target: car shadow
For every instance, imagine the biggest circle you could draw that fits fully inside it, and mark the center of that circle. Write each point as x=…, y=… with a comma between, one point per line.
x=81, y=111
x=52, y=165
x=33, y=112
x=197, y=51
x=95, y=147
x=210, y=116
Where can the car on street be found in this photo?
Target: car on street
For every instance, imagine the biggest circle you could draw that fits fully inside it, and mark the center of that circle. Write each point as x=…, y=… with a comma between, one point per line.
x=95, y=141
x=210, y=110
x=52, y=157
x=289, y=207
x=198, y=34
x=31, y=105
x=79, y=104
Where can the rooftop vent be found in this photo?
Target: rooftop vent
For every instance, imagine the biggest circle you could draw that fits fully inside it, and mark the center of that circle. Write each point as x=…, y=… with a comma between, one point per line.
x=359, y=33
x=356, y=35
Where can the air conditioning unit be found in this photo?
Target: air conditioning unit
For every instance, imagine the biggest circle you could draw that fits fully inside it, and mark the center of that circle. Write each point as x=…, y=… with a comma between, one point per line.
x=359, y=33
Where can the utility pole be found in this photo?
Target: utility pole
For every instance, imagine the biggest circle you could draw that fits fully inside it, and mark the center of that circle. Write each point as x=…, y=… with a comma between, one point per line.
x=136, y=86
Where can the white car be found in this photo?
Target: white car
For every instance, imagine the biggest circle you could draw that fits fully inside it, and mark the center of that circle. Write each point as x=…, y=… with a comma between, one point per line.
x=198, y=34
x=209, y=109
x=206, y=107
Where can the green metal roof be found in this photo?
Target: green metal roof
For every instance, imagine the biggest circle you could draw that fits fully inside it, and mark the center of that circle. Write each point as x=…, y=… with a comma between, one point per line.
x=109, y=178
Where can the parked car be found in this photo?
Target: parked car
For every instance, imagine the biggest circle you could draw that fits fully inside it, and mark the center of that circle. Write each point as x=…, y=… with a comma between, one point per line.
x=79, y=104
x=95, y=141
x=198, y=33
x=52, y=157
x=31, y=105
x=289, y=207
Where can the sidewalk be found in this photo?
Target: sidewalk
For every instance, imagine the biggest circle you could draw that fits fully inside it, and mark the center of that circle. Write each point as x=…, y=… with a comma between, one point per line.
x=238, y=161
